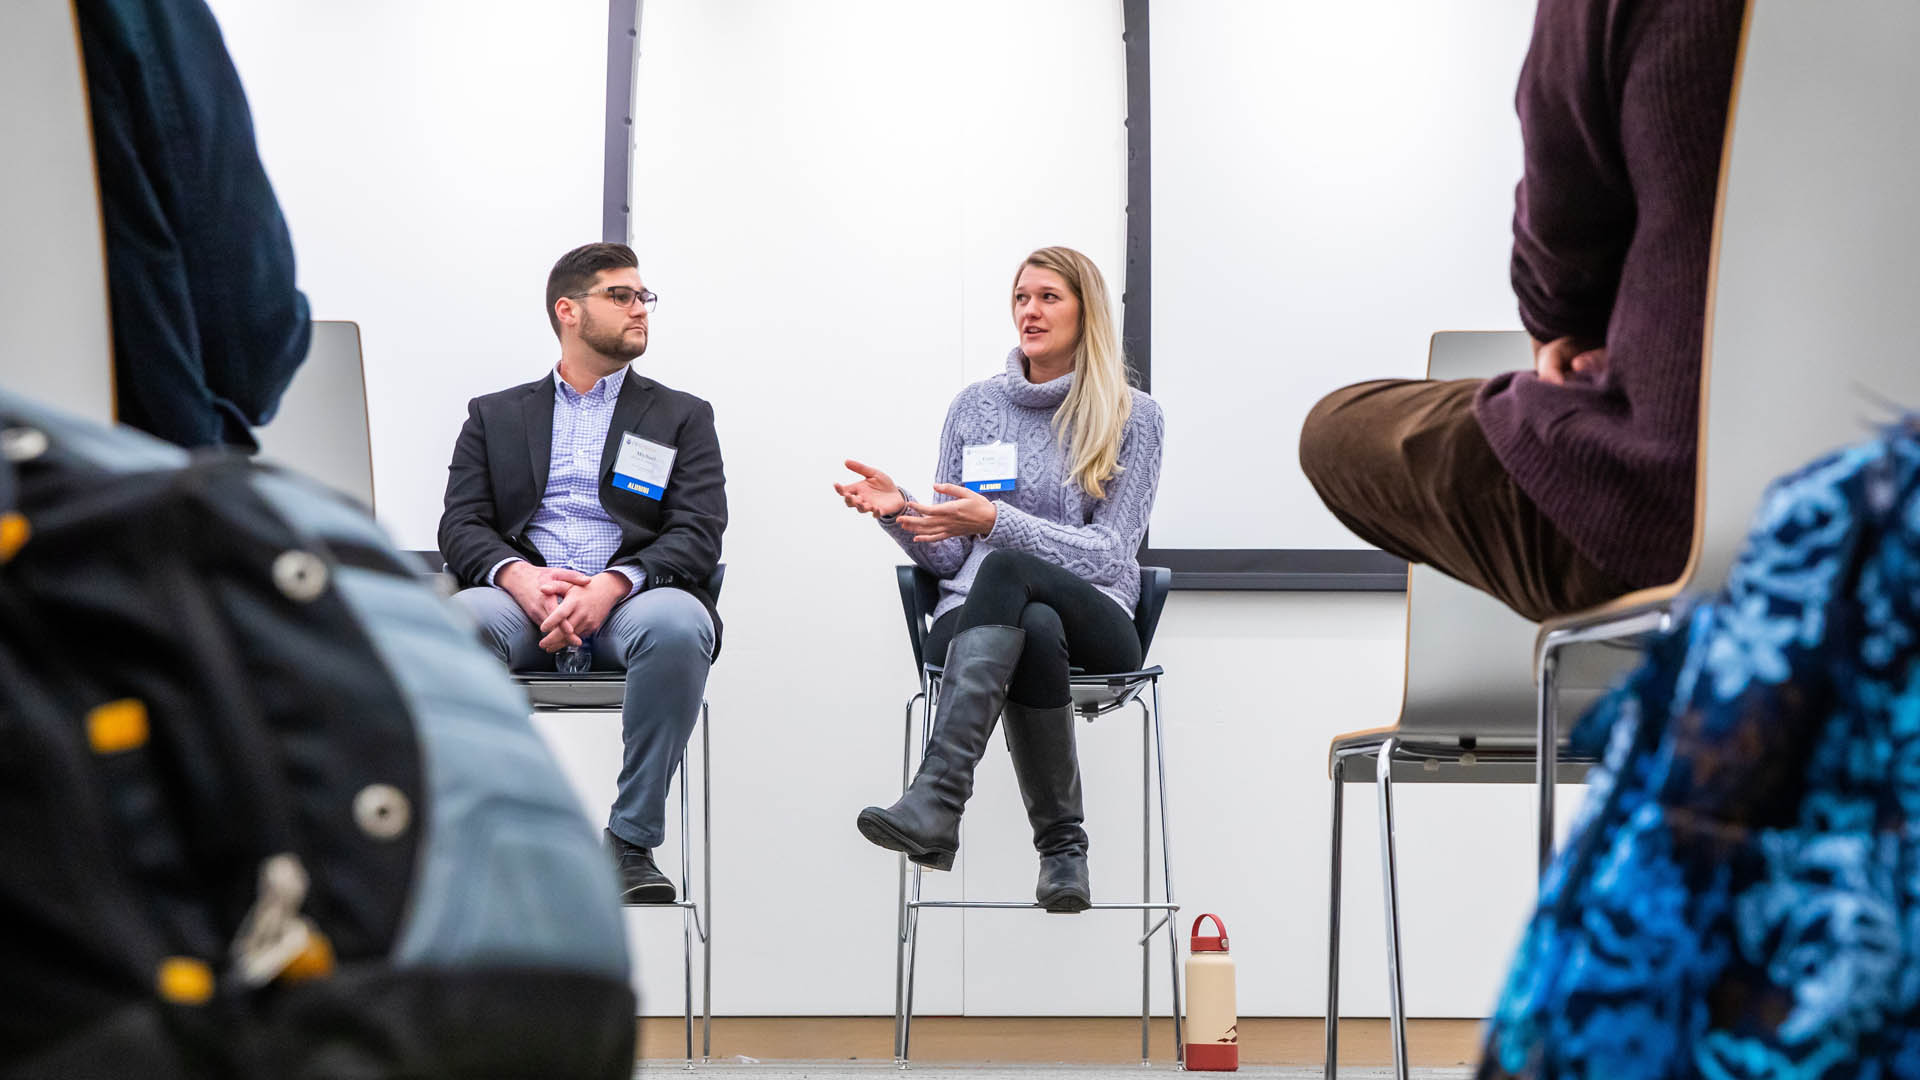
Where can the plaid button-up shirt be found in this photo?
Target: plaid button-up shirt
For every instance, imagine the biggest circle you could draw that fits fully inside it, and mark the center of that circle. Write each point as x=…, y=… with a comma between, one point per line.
x=571, y=529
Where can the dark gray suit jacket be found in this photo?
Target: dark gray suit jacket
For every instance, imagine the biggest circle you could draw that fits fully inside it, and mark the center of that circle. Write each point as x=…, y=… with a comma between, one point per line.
x=499, y=473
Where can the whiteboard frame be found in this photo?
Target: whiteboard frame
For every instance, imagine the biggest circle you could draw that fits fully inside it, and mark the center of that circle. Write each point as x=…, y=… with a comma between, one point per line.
x=1265, y=569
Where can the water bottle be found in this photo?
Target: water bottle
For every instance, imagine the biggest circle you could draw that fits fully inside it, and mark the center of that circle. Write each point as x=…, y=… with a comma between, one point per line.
x=1213, y=1028
x=574, y=659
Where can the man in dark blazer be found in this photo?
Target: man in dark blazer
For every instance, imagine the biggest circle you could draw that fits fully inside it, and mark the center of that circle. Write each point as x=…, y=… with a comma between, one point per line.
x=583, y=518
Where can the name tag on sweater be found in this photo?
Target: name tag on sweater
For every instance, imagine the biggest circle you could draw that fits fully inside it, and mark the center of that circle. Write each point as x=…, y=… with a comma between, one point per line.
x=990, y=467
x=644, y=466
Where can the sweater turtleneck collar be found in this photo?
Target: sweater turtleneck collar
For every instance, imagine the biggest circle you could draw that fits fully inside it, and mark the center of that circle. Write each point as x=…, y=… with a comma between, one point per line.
x=1046, y=395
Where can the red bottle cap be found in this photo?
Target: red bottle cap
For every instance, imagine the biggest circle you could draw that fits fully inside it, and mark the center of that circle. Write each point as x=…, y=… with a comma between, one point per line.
x=1208, y=944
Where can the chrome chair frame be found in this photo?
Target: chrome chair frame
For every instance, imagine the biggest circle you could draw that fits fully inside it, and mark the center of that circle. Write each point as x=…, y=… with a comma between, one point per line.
x=1604, y=627
x=696, y=916
x=603, y=691
x=1466, y=712
x=1094, y=696
x=1487, y=765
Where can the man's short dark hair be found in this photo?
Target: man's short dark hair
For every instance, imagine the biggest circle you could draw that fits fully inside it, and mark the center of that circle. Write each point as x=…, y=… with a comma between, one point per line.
x=575, y=271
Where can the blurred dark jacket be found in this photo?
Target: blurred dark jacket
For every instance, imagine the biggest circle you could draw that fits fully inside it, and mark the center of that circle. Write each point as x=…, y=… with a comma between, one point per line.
x=208, y=327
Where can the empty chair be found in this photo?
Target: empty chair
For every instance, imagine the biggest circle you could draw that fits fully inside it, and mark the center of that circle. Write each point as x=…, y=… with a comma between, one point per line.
x=321, y=427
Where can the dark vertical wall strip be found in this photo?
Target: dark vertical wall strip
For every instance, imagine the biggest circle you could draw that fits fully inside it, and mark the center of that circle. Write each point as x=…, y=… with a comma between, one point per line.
x=1210, y=568
x=623, y=52
x=1136, y=299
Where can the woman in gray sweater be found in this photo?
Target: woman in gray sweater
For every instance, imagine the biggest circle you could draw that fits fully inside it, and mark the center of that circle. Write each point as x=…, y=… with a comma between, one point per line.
x=1047, y=474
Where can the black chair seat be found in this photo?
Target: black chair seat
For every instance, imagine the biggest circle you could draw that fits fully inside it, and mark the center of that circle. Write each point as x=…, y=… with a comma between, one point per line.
x=1093, y=695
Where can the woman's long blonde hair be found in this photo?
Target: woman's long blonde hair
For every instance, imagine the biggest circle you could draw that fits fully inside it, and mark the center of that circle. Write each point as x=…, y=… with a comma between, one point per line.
x=1091, y=421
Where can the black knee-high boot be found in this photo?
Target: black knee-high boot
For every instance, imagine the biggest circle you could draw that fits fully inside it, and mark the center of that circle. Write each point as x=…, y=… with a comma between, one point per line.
x=1048, y=768
x=925, y=822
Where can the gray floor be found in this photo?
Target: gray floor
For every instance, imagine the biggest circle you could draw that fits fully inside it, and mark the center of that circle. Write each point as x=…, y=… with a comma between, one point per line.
x=819, y=1070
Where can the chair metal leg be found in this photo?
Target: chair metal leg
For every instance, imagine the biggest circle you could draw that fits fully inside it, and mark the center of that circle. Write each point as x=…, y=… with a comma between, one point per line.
x=706, y=882
x=1146, y=886
x=1396, y=995
x=900, y=930
x=900, y=969
x=1333, y=926
x=913, y=955
x=1657, y=620
x=696, y=917
x=1166, y=870
x=910, y=915
x=686, y=913
x=1547, y=754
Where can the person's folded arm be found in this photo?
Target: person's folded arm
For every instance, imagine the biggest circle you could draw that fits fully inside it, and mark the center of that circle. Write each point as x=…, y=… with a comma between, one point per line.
x=252, y=322
x=470, y=538
x=1573, y=209
x=695, y=507
x=1105, y=550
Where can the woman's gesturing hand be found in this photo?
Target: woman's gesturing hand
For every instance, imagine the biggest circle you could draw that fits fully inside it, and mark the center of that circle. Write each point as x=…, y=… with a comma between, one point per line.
x=874, y=493
x=969, y=513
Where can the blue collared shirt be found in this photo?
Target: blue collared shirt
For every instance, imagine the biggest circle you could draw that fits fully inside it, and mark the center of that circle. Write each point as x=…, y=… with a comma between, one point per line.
x=571, y=529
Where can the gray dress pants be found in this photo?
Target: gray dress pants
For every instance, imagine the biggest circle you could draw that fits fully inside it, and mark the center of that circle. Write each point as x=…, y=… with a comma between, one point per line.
x=663, y=640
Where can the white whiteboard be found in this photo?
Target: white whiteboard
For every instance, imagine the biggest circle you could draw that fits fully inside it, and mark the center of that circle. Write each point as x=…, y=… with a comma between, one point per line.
x=1332, y=183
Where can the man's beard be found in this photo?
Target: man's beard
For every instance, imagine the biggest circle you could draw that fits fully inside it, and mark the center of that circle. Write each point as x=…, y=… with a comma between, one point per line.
x=610, y=343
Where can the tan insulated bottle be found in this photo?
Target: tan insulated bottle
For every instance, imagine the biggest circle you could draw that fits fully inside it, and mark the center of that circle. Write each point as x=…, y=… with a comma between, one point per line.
x=1213, y=1028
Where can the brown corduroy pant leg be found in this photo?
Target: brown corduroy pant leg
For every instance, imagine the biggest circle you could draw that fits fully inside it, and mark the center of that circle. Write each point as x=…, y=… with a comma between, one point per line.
x=1403, y=463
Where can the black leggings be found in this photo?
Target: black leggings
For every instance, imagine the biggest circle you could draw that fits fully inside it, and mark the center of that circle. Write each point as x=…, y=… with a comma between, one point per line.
x=1069, y=623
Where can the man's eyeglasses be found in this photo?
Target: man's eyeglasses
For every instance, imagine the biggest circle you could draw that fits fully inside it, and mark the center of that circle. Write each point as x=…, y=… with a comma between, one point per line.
x=621, y=295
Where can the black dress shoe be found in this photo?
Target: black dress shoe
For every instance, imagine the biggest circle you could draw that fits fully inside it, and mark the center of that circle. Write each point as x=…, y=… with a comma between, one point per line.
x=641, y=882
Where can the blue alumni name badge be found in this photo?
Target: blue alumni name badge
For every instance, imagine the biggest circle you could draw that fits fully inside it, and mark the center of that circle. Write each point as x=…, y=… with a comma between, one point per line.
x=990, y=467
x=644, y=466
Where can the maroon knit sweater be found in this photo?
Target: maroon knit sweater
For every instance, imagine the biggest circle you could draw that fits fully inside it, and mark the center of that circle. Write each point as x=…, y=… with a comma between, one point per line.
x=1623, y=110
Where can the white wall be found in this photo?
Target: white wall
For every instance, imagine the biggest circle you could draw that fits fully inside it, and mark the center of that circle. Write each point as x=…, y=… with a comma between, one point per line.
x=433, y=158
x=830, y=199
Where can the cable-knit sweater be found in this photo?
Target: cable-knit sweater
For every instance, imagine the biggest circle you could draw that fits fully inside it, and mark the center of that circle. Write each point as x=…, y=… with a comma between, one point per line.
x=1047, y=514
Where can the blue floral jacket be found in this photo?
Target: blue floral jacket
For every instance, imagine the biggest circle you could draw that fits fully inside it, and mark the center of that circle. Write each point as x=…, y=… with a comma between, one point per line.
x=1741, y=897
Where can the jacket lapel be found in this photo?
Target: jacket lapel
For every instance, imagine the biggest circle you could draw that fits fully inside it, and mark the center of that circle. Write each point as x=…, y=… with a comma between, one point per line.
x=636, y=397
x=539, y=418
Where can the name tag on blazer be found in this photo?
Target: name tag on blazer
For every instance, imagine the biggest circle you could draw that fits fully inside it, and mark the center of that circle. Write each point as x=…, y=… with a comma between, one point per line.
x=644, y=467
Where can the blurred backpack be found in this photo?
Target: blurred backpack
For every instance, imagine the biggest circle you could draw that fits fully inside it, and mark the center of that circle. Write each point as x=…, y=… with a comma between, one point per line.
x=265, y=808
